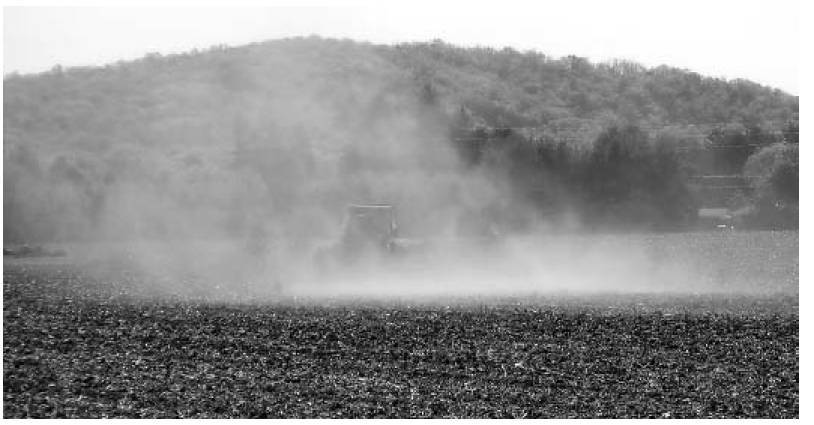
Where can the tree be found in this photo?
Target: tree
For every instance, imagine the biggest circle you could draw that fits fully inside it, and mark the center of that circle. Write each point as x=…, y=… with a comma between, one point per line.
x=791, y=131
x=630, y=182
x=777, y=187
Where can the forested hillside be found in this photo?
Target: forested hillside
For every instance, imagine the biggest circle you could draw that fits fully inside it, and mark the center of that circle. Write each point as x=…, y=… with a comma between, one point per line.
x=212, y=142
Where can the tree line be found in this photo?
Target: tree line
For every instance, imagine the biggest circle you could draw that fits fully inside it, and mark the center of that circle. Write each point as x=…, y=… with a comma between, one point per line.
x=629, y=178
x=337, y=120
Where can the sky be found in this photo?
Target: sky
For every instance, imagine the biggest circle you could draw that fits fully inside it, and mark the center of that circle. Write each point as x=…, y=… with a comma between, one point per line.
x=755, y=40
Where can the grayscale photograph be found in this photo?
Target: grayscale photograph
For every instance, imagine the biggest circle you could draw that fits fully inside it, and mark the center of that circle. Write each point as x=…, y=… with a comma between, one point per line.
x=401, y=209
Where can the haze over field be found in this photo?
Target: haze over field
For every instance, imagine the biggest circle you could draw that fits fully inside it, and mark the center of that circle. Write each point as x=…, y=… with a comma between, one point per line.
x=210, y=213
x=238, y=163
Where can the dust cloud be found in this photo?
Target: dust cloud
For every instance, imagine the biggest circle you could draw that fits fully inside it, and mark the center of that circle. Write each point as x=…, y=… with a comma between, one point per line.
x=247, y=212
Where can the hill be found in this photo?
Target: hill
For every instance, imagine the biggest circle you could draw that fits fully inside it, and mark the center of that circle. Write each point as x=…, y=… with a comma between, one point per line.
x=285, y=132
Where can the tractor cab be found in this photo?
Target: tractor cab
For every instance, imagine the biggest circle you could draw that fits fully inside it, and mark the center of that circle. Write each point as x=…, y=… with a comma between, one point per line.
x=369, y=226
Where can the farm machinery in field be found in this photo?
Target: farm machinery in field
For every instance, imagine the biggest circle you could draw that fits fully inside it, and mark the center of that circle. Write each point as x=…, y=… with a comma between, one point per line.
x=371, y=232
x=368, y=230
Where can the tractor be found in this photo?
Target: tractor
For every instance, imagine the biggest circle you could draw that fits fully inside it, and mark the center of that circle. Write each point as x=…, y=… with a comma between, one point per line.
x=369, y=227
x=368, y=230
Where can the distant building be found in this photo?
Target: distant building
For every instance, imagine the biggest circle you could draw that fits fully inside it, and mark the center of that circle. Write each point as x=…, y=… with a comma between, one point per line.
x=715, y=218
x=722, y=218
x=716, y=192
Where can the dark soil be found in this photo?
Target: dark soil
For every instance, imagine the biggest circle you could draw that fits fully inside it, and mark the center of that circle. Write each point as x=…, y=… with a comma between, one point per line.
x=84, y=347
